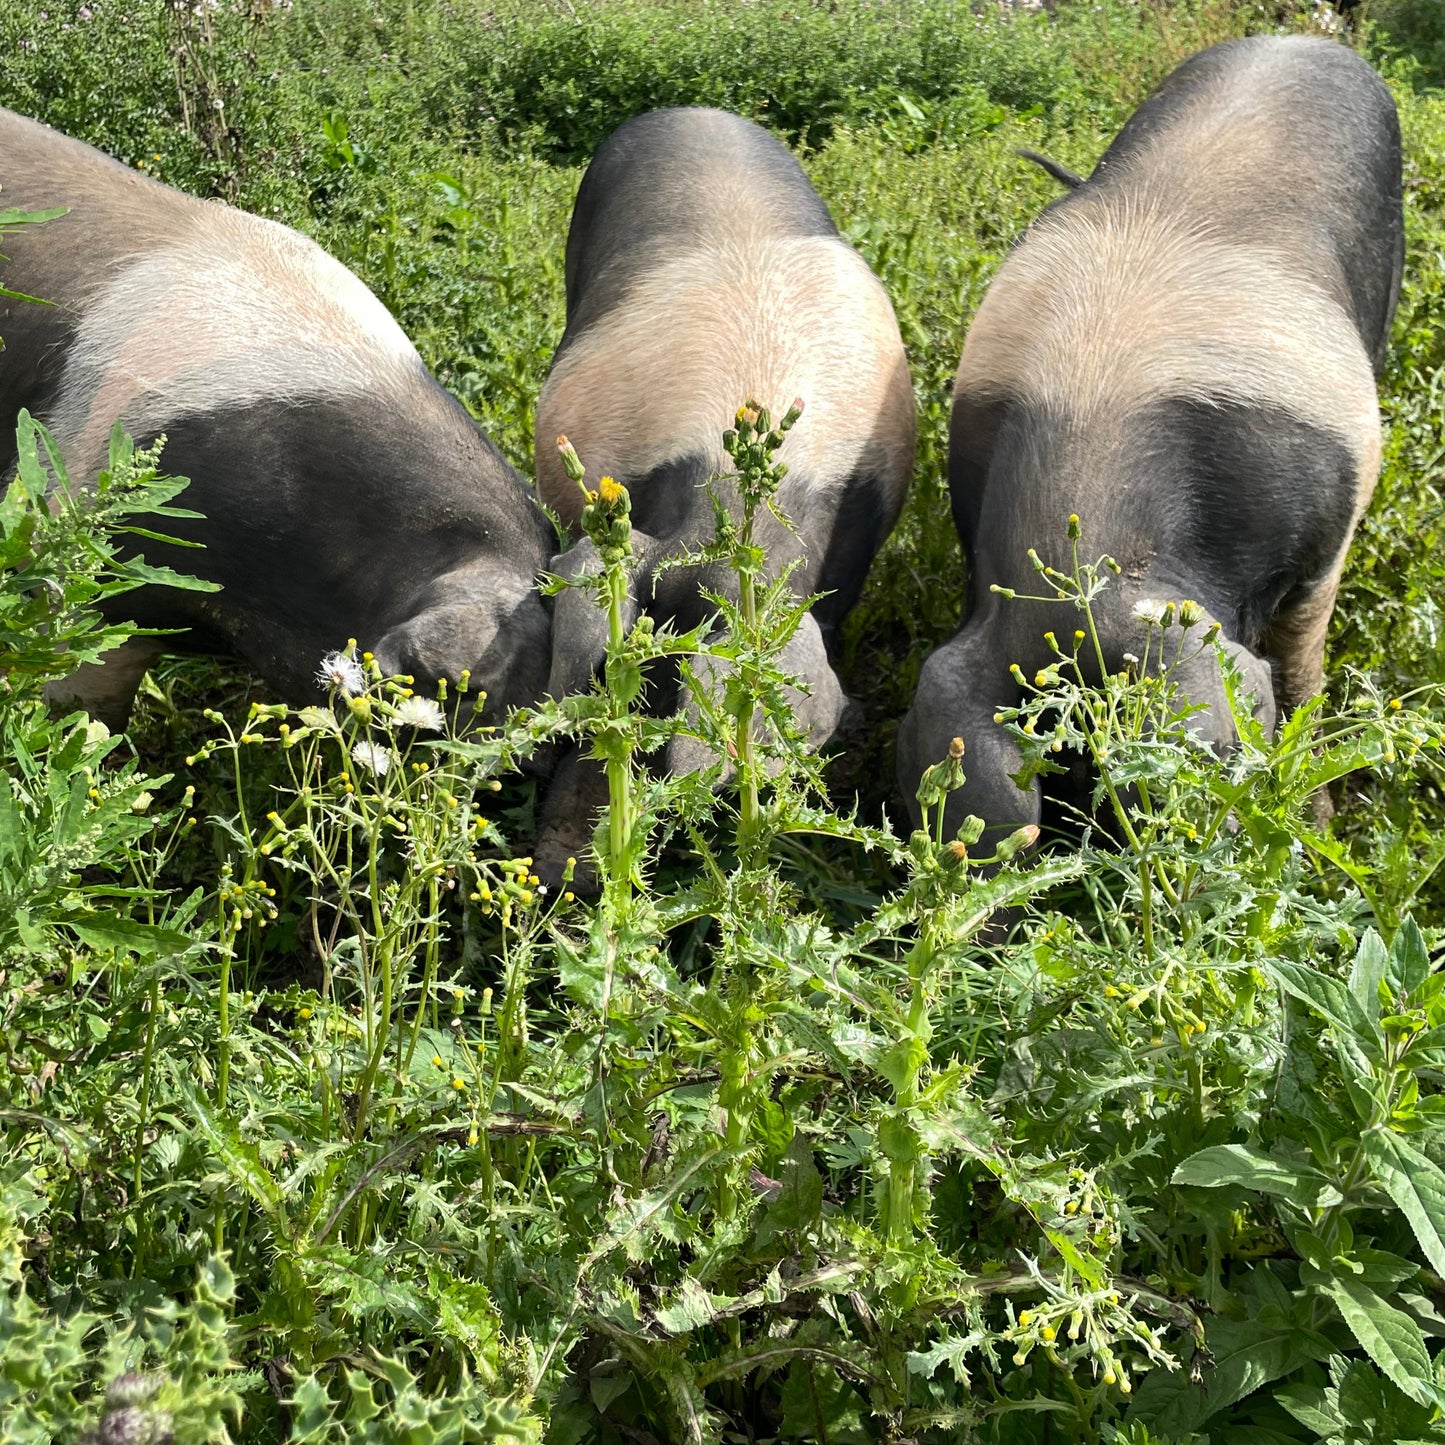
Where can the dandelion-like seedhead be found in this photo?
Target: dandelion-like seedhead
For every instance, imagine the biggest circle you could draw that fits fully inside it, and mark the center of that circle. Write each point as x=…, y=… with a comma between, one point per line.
x=373, y=758
x=419, y=712
x=342, y=674
x=1150, y=611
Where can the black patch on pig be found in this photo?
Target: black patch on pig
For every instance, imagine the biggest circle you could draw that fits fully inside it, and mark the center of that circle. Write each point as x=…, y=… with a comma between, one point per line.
x=1269, y=500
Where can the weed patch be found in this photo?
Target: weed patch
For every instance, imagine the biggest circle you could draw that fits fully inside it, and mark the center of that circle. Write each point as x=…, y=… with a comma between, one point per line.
x=323, y=1118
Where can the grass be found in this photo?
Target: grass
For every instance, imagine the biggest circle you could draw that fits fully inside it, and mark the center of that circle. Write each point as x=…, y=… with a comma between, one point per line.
x=345, y=1131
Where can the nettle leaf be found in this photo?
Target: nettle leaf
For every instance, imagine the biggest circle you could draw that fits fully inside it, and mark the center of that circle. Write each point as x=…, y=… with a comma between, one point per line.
x=1380, y=1266
x=1389, y=1336
x=1368, y=973
x=1416, y=1184
x=1424, y=1312
x=1246, y=1354
x=1329, y=998
x=1314, y=1407
x=1409, y=961
x=1252, y=1168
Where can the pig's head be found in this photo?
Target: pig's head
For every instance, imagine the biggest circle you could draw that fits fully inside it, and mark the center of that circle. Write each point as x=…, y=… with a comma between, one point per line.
x=483, y=619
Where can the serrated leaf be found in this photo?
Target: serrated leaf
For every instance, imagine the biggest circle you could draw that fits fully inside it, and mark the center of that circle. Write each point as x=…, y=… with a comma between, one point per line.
x=1329, y=998
x=1368, y=972
x=1416, y=1184
x=1246, y=1354
x=1409, y=964
x=690, y=1307
x=101, y=930
x=1252, y=1168
x=1314, y=1407
x=952, y=1350
x=1389, y=1336
x=240, y=1158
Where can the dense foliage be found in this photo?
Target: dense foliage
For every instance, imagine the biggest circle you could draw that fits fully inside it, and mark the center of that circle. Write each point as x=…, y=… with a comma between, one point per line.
x=321, y=1120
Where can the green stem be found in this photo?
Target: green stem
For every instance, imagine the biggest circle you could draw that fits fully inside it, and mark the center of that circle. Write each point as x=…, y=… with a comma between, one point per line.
x=223, y=1047
x=619, y=770
x=383, y=947
x=747, y=763
x=429, y=970
x=147, y=1058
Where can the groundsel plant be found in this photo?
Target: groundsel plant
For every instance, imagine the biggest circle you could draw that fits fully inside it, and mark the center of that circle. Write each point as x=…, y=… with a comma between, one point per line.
x=1173, y=804
x=378, y=823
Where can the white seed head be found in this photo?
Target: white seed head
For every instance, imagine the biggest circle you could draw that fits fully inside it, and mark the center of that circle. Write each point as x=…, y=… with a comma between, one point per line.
x=1148, y=610
x=375, y=759
x=419, y=712
x=342, y=673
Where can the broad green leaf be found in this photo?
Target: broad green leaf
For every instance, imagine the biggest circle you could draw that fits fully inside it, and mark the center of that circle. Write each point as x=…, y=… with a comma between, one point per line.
x=1368, y=973
x=1416, y=1184
x=1409, y=964
x=1380, y=1266
x=12, y=826
x=1252, y=1168
x=27, y=457
x=1389, y=1336
x=1329, y=998
x=1314, y=1407
x=102, y=930
x=1246, y=1354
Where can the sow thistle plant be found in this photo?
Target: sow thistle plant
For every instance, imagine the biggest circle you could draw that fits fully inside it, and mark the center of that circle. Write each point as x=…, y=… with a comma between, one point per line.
x=786, y=1008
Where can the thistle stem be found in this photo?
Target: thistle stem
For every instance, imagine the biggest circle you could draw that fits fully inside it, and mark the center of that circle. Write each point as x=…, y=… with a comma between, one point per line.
x=747, y=760
x=619, y=771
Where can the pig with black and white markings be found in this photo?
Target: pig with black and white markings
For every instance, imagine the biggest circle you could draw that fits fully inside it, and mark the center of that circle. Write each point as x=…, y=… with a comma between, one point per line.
x=1183, y=352
x=703, y=269
x=344, y=492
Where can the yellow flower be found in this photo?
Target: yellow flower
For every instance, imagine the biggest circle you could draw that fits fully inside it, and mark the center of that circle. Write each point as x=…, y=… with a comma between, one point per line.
x=610, y=492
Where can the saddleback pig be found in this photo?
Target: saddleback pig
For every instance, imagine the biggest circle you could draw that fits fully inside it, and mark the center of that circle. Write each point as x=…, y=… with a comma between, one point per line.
x=703, y=269
x=1182, y=351
x=344, y=492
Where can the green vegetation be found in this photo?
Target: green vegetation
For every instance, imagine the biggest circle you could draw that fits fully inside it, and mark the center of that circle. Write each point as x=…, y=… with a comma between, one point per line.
x=321, y=1121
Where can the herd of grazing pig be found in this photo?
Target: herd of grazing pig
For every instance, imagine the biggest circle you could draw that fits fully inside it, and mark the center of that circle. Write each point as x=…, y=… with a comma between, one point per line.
x=1182, y=350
